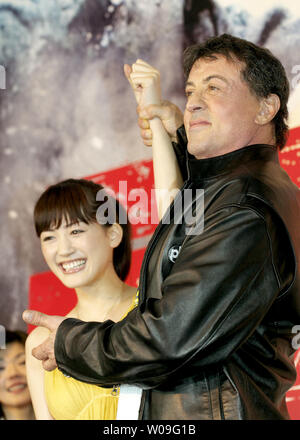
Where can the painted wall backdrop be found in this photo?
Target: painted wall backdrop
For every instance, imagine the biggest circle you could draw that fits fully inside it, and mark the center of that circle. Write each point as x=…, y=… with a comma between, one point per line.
x=67, y=111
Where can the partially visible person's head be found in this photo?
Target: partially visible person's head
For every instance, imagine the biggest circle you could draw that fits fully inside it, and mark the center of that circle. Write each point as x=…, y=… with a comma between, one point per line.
x=72, y=206
x=238, y=83
x=14, y=392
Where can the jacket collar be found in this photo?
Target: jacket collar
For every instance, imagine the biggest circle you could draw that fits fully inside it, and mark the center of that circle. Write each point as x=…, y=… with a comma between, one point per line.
x=199, y=169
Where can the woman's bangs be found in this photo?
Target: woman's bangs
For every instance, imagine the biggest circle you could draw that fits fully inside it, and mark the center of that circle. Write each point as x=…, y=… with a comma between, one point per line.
x=60, y=205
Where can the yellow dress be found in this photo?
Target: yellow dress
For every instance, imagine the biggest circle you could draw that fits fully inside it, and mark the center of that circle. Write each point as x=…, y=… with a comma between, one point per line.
x=70, y=399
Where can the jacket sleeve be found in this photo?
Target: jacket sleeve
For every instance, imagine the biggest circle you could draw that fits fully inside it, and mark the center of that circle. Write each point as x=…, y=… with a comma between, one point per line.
x=219, y=289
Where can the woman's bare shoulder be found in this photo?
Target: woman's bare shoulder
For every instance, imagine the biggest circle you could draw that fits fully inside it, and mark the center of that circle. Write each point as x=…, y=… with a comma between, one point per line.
x=37, y=336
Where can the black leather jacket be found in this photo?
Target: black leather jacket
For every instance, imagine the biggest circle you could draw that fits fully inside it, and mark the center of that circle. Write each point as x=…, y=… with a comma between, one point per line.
x=212, y=336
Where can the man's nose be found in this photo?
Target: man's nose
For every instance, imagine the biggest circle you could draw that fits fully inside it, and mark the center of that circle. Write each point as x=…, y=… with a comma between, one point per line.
x=195, y=103
x=194, y=107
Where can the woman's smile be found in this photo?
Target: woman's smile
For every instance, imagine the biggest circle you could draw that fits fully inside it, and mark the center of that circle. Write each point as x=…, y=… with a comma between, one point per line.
x=73, y=266
x=17, y=387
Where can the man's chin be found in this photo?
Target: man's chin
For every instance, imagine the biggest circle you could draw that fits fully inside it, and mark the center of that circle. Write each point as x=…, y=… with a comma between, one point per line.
x=195, y=149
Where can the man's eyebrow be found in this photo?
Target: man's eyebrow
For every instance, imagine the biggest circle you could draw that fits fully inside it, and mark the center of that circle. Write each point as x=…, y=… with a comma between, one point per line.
x=208, y=78
x=189, y=83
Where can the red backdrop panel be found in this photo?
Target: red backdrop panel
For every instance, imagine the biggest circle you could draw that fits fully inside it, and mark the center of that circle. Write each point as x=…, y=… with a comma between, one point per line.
x=290, y=161
x=290, y=156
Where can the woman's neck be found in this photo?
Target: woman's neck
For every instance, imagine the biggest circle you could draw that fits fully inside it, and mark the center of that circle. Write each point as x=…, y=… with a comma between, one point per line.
x=18, y=413
x=102, y=299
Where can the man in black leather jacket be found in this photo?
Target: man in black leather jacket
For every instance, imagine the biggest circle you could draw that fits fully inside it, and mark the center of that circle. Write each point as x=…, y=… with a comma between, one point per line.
x=212, y=337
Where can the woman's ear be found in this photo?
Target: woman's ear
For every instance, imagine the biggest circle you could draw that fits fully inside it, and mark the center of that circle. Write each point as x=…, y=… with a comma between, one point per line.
x=269, y=107
x=115, y=234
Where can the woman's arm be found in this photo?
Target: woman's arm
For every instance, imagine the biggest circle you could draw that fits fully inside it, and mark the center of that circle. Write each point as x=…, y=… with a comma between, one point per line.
x=35, y=374
x=145, y=81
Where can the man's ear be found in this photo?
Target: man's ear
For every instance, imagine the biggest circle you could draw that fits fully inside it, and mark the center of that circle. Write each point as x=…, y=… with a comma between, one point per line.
x=115, y=234
x=268, y=109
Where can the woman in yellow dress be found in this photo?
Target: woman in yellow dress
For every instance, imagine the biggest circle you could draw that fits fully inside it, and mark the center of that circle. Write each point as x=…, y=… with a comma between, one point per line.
x=93, y=259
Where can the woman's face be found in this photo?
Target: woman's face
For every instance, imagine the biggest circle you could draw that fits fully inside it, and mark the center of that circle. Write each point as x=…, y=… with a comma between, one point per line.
x=13, y=382
x=78, y=254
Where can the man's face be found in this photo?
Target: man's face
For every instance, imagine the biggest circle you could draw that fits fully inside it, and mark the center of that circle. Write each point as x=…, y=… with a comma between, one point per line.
x=220, y=112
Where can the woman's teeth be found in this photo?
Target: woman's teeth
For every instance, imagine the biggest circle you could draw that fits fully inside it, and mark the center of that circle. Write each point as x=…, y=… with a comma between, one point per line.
x=18, y=387
x=73, y=265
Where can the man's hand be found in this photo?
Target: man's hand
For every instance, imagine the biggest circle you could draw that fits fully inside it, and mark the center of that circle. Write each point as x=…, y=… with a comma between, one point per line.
x=170, y=115
x=45, y=351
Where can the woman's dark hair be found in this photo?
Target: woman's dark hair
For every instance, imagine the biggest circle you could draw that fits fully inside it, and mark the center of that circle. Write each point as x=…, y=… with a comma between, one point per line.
x=13, y=336
x=263, y=72
x=75, y=200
